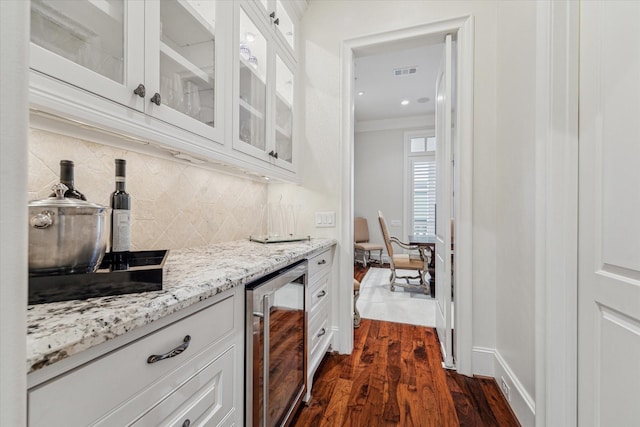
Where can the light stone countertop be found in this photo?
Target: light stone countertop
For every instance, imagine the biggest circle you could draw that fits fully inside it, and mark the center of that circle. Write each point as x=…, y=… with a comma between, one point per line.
x=59, y=330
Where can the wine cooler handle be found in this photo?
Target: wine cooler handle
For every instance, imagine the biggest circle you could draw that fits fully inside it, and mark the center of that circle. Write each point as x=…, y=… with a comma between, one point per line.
x=265, y=358
x=172, y=353
x=140, y=90
x=156, y=99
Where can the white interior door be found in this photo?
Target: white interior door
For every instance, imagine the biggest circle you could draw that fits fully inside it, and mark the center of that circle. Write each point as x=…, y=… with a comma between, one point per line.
x=444, y=323
x=609, y=215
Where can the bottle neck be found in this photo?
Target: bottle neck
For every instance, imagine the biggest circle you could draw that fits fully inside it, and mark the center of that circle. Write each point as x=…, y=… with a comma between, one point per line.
x=120, y=184
x=66, y=175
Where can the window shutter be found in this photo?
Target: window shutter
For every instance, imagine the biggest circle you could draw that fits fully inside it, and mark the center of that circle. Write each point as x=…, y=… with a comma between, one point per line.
x=424, y=195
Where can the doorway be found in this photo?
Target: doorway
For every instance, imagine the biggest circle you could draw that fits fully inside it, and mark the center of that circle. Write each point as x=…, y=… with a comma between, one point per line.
x=462, y=31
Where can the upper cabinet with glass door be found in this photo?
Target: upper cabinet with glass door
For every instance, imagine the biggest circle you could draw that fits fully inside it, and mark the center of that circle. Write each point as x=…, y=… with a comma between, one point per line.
x=182, y=51
x=264, y=119
x=279, y=14
x=97, y=45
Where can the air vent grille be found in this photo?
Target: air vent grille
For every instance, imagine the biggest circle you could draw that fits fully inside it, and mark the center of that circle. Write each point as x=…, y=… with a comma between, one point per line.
x=406, y=71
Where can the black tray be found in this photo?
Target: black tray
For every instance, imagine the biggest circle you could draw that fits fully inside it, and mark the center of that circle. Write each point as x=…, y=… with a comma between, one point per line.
x=144, y=274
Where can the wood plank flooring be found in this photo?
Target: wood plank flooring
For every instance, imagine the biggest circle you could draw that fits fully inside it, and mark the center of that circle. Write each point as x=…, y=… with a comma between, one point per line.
x=394, y=377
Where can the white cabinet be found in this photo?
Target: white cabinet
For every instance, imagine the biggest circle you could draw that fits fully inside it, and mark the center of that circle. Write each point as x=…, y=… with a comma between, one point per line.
x=278, y=14
x=264, y=88
x=319, y=312
x=159, y=58
x=139, y=384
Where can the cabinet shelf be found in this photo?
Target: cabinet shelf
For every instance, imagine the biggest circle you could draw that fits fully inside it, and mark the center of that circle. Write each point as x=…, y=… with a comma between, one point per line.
x=184, y=63
x=251, y=110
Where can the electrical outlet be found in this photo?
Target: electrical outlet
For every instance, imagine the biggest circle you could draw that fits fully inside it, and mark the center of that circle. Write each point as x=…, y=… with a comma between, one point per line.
x=505, y=388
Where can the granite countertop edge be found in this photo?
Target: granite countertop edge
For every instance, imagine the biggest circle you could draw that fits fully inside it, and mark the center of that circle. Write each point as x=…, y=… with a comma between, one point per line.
x=56, y=331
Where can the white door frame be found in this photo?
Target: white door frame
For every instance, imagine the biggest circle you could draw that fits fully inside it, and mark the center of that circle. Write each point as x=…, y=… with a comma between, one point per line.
x=463, y=28
x=556, y=246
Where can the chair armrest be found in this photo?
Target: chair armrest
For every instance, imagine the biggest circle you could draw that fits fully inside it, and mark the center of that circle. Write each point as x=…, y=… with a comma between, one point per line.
x=402, y=244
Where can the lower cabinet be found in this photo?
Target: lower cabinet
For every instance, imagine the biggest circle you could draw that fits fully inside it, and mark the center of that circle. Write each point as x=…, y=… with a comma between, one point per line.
x=188, y=373
x=319, y=312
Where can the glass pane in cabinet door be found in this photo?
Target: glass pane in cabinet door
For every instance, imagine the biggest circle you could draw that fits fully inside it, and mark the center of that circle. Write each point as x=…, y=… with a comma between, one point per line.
x=285, y=24
x=284, y=111
x=252, y=83
x=187, y=52
x=89, y=33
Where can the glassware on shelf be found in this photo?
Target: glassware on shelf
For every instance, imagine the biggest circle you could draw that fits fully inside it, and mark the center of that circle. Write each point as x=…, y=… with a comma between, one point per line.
x=253, y=61
x=193, y=99
x=178, y=93
x=245, y=52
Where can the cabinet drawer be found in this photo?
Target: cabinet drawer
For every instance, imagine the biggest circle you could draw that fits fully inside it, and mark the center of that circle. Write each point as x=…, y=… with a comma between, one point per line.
x=318, y=329
x=112, y=380
x=211, y=391
x=319, y=264
x=319, y=293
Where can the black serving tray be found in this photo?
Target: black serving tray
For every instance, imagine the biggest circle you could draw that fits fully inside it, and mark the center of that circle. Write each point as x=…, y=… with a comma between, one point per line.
x=144, y=274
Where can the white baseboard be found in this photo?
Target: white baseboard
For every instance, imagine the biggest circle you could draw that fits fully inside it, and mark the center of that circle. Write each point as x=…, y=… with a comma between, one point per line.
x=489, y=362
x=483, y=361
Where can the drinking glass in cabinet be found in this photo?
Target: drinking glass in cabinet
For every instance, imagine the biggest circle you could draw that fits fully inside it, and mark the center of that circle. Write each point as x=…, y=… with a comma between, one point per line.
x=187, y=52
x=89, y=33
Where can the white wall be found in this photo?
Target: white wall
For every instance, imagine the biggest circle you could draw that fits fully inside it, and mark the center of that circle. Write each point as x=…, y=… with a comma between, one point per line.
x=378, y=180
x=515, y=199
x=325, y=26
x=503, y=177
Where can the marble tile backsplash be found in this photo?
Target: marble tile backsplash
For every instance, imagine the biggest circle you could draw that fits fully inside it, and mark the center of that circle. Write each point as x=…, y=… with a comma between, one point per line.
x=174, y=205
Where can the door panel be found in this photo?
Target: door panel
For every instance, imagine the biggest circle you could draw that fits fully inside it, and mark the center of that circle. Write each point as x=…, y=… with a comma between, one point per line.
x=444, y=324
x=609, y=212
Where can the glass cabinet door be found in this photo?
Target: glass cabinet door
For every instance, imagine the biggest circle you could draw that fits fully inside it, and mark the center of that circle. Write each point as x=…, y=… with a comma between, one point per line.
x=285, y=25
x=252, y=81
x=95, y=45
x=182, y=64
x=284, y=111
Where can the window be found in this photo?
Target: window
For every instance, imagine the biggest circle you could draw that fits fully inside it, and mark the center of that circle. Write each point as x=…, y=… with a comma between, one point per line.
x=421, y=183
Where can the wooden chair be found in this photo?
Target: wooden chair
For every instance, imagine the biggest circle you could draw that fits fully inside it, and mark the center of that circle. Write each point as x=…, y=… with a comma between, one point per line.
x=418, y=262
x=361, y=241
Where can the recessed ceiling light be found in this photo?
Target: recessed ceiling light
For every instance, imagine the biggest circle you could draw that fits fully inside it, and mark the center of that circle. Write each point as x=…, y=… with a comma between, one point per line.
x=249, y=37
x=405, y=102
x=360, y=93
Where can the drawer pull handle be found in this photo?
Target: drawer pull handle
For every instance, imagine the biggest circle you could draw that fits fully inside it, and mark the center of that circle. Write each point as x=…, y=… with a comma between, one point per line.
x=321, y=294
x=322, y=262
x=176, y=351
x=186, y=423
x=322, y=332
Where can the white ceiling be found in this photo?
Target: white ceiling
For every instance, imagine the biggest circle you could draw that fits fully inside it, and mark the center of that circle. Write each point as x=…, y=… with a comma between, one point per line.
x=383, y=91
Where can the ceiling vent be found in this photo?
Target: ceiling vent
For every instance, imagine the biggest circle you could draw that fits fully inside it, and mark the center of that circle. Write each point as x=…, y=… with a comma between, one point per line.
x=407, y=71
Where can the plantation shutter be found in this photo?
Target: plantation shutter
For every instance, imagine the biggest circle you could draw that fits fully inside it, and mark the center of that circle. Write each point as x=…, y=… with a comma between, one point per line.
x=424, y=195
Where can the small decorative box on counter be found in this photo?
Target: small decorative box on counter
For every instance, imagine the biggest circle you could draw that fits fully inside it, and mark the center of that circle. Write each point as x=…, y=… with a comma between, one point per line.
x=143, y=274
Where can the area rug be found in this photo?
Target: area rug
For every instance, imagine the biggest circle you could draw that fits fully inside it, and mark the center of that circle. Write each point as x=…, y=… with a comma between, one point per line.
x=377, y=302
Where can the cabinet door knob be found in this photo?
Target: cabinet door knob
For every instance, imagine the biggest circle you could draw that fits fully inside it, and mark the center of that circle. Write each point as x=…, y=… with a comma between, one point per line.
x=156, y=99
x=140, y=90
x=276, y=21
x=272, y=15
x=186, y=423
x=171, y=353
x=273, y=154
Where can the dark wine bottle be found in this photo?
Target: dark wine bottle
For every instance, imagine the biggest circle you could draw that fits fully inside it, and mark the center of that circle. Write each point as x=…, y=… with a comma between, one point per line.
x=120, y=220
x=66, y=177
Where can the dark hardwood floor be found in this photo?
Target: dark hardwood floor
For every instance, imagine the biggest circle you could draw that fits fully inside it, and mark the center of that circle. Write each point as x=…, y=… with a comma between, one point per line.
x=394, y=377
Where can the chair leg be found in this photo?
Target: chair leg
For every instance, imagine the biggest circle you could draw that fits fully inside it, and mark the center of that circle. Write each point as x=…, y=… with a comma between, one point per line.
x=392, y=280
x=356, y=313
